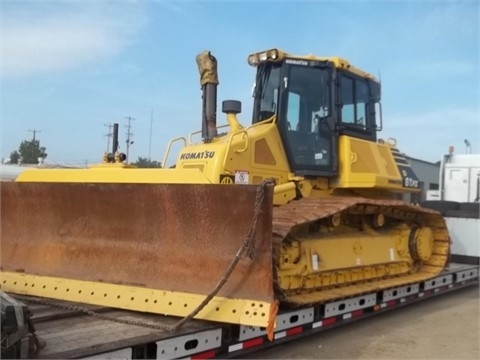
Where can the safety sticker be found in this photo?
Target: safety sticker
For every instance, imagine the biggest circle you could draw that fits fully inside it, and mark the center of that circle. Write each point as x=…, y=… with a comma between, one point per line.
x=241, y=177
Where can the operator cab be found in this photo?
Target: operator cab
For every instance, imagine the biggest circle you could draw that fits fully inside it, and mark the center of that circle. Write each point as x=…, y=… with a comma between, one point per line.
x=314, y=100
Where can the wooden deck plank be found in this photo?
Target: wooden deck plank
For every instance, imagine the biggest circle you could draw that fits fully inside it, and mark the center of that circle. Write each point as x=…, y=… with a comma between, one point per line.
x=85, y=335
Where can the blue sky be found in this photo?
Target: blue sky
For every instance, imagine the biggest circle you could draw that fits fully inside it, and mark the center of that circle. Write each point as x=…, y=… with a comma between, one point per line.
x=69, y=67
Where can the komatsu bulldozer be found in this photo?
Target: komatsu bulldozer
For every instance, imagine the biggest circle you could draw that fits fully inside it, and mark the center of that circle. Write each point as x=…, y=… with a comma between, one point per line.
x=301, y=207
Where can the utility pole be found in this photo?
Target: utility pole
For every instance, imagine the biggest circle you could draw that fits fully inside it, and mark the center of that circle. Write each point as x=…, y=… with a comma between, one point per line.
x=34, y=131
x=150, y=142
x=129, y=133
x=108, y=135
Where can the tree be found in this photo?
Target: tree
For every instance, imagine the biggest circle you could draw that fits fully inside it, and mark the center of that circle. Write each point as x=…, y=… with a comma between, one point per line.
x=14, y=157
x=30, y=151
x=146, y=163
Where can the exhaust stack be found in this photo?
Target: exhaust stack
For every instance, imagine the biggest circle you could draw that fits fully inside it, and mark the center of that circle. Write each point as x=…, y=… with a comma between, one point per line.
x=207, y=67
x=114, y=156
x=115, y=139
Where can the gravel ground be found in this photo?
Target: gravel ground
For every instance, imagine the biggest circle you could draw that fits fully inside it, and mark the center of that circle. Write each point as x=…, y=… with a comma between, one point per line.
x=445, y=327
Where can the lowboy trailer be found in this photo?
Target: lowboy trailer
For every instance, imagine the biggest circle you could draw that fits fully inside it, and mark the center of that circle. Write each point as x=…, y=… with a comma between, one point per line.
x=60, y=329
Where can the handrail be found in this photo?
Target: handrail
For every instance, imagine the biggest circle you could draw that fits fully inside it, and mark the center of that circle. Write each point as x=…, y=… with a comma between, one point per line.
x=167, y=152
x=191, y=134
x=199, y=131
x=242, y=131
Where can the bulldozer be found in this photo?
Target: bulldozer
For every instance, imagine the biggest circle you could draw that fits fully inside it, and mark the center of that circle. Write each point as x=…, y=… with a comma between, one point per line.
x=303, y=206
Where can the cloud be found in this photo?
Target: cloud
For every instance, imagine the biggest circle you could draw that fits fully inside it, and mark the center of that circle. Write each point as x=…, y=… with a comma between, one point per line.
x=46, y=39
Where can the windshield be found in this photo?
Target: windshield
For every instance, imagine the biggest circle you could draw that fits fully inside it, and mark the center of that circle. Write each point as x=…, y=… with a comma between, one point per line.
x=266, y=92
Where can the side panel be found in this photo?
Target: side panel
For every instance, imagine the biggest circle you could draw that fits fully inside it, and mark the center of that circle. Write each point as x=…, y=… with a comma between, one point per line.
x=366, y=164
x=461, y=183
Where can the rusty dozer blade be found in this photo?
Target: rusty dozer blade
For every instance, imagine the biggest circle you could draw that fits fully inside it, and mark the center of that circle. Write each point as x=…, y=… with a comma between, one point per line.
x=149, y=247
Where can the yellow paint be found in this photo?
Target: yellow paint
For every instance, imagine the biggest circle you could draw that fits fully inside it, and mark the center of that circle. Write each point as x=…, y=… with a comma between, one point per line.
x=236, y=311
x=284, y=193
x=343, y=255
x=365, y=164
x=115, y=174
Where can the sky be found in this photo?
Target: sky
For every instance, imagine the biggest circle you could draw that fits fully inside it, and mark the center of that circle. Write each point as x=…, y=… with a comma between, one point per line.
x=71, y=68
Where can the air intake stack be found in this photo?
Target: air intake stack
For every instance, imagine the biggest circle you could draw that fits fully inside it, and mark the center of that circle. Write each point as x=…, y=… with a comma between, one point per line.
x=207, y=67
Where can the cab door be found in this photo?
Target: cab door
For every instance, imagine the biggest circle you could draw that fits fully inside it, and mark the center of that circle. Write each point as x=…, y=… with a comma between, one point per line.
x=308, y=126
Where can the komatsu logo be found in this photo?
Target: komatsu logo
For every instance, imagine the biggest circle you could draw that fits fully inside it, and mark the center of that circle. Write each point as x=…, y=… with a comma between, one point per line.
x=198, y=155
x=296, y=62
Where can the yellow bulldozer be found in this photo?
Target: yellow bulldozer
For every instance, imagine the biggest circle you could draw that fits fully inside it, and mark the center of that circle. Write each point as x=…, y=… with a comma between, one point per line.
x=301, y=207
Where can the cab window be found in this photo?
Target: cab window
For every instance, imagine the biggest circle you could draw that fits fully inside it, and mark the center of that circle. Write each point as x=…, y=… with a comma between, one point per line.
x=348, y=100
x=357, y=107
x=293, y=110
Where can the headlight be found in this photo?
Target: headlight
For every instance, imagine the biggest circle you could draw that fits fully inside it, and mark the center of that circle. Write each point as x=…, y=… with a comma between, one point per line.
x=269, y=55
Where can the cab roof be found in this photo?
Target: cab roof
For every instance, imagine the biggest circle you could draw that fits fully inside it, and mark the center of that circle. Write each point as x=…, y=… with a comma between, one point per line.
x=277, y=55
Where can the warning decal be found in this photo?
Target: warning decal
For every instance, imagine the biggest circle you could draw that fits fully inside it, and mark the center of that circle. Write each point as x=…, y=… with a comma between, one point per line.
x=241, y=177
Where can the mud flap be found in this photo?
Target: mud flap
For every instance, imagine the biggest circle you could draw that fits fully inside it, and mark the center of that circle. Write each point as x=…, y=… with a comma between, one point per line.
x=150, y=247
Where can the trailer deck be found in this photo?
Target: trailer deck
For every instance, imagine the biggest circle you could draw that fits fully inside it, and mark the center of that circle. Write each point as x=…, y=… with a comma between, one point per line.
x=77, y=331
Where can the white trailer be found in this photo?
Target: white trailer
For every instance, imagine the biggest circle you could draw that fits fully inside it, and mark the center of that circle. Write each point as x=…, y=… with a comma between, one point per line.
x=458, y=199
x=459, y=179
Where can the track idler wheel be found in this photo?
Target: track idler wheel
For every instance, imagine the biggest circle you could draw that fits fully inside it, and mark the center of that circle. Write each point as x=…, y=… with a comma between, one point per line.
x=420, y=243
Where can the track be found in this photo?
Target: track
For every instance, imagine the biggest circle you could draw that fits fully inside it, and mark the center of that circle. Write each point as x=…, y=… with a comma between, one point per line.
x=302, y=217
